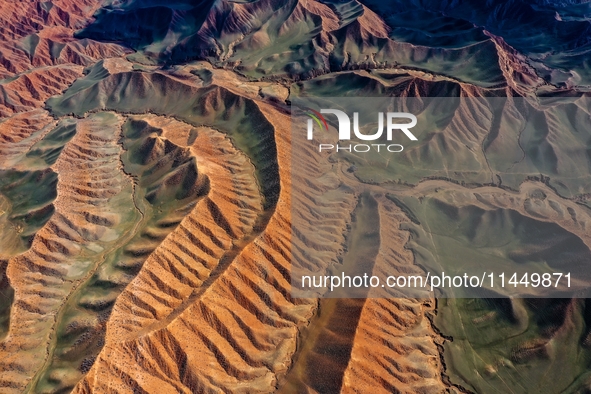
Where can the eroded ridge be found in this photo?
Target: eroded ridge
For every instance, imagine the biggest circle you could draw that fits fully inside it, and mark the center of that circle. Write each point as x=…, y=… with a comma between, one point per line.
x=245, y=342
x=186, y=257
x=88, y=218
x=242, y=322
x=159, y=258
x=19, y=132
x=395, y=347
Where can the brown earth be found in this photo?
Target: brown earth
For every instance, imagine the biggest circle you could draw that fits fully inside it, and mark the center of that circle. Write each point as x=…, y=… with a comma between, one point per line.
x=203, y=304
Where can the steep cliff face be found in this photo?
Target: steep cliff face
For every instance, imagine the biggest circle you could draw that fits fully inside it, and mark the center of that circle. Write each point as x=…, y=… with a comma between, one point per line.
x=146, y=195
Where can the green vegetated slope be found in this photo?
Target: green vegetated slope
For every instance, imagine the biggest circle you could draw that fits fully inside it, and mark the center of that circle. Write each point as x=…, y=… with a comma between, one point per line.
x=517, y=345
x=46, y=151
x=26, y=205
x=473, y=240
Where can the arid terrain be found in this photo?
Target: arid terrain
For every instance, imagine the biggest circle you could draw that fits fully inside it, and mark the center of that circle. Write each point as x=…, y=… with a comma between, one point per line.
x=148, y=191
